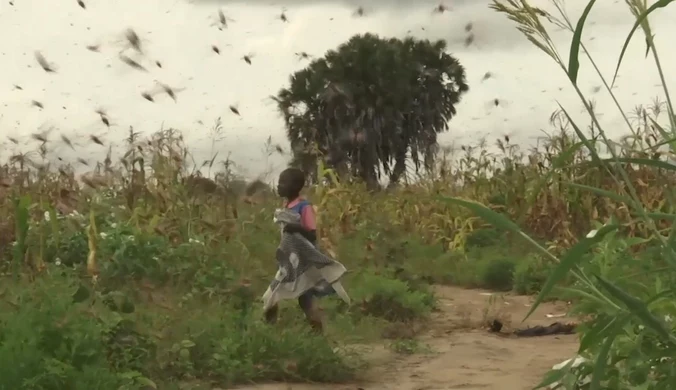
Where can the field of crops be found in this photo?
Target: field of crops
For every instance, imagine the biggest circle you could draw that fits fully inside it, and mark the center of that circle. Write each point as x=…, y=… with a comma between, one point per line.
x=140, y=273
x=143, y=274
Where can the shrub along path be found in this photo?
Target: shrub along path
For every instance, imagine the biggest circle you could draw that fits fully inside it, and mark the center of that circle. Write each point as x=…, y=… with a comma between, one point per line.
x=461, y=354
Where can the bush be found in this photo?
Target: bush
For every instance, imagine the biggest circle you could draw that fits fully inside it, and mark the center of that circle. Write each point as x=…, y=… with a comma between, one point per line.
x=49, y=342
x=391, y=299
x=482, y=238
x=530, y=274
x=64, y=335
x=232, y=350
x=498, y=274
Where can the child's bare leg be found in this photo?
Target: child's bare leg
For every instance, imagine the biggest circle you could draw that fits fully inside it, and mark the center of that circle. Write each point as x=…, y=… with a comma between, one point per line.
x=309, y=306
x=271, y=314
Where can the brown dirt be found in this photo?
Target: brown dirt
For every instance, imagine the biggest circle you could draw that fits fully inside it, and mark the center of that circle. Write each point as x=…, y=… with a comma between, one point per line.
x=465, y=356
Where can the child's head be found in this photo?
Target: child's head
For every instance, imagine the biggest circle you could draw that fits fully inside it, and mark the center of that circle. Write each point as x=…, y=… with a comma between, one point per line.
x=291, y=182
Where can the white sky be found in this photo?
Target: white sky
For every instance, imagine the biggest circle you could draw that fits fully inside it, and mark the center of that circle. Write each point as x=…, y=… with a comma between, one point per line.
x=180, y=34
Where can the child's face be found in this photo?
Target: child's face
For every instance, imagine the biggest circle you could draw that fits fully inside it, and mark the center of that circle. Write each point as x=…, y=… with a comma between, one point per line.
x=283, y=186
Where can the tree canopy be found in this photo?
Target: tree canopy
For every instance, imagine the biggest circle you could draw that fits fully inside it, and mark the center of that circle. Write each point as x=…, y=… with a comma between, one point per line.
x=371, y=105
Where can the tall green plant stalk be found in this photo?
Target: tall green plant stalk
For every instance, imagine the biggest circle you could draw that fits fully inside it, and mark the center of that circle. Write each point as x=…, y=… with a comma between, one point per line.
x=529, y=23
x=566, y=24
x=641, y=11
x=605, y=293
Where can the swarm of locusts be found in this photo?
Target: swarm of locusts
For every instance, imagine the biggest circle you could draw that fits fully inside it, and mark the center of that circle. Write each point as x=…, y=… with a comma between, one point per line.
x=131, y=49
x=134, y=54
x=430, y=220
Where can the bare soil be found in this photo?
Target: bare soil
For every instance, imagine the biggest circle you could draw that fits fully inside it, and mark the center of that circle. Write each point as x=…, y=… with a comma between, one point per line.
x=464, y=355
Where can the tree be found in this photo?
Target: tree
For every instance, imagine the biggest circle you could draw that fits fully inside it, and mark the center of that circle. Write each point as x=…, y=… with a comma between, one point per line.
x=371, y=105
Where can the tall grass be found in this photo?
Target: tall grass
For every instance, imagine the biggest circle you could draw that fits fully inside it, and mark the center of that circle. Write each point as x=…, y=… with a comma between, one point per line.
x=630, y=337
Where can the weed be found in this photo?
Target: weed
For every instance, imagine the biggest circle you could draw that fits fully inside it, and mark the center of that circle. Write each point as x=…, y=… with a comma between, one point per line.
x=408, y=346
x=530, y=274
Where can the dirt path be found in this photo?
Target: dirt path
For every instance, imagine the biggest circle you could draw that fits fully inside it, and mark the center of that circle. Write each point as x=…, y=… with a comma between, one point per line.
x=464, y=356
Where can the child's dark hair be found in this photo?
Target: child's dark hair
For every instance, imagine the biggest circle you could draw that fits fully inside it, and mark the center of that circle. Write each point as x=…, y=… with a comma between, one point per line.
x=294, y=179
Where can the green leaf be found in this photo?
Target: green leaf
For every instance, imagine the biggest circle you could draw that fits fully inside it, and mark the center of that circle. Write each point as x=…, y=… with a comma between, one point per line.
x=639, y=20
x=643, y=161
x=602, y=357
x=666, y=216
x=661, y=295
x=146, y=382
x=110, y=303
x=667, y=138
x=594, y=335
x=583, y=137
x=127, y=306
x=187, y=344
x=496, y=219
x=555, y=375
x=583, y=295
x=568, y=261
x=637, y=308
x=81, y=294
x=631, y=241
x=550, y=378
x=573, y=60
x=130, y=375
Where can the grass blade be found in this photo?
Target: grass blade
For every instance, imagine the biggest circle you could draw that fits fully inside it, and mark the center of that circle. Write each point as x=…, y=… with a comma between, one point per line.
x=637, y=308
x=591, y=337
x=657, y=216
x=668, y=139
x=568, y=261
x=496, y=219
x=554, y=376
x=583, y=138
x=602, y=357
x=630, y=160
x=582, y=295
x=643, y=161
x=608, y=194
x=573, y=60
x=639, y=20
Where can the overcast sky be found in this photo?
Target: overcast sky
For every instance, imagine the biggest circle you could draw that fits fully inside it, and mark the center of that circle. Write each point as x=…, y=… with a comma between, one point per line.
x=179, y=34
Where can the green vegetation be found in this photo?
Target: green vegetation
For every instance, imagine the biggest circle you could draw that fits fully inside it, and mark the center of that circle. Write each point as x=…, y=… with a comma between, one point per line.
x=145, y=275
x=372, y=106
x=621, y=269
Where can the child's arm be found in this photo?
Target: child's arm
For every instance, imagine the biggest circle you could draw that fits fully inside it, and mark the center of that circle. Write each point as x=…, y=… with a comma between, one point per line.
x=308, y=219
x=309, y=224
x=311, y=235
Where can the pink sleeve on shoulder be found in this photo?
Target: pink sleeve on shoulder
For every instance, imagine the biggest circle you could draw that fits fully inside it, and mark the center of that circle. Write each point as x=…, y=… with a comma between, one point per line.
x=307, y=218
